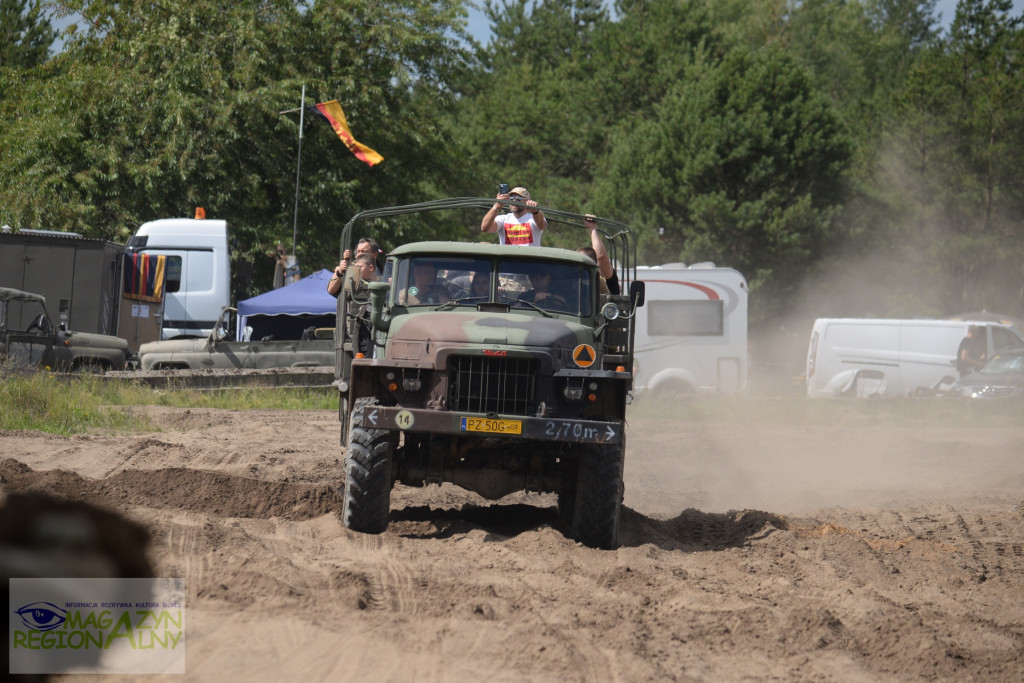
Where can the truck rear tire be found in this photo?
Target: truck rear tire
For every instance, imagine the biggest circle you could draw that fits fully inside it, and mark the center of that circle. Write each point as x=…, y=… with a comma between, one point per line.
x=598, y=496
x=567, y=502
x=366, y=493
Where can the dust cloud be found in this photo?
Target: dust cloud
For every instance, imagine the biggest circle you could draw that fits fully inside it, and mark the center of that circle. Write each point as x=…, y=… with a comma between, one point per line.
x=901, y=255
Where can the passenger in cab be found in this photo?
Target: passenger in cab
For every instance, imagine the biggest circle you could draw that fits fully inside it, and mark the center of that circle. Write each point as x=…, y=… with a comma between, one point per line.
x=480, y=285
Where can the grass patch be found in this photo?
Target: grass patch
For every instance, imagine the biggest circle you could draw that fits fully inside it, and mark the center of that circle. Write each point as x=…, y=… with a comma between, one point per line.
x=72, y=404
x=43, y=402
x=244, y=398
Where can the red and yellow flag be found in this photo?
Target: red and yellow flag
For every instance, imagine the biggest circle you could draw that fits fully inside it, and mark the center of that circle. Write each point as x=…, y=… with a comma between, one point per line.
x=332, y=113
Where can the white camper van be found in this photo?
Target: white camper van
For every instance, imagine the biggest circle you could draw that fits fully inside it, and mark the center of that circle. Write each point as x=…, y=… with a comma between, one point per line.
x=198, y=279
x=691, y=335
x=863, y=357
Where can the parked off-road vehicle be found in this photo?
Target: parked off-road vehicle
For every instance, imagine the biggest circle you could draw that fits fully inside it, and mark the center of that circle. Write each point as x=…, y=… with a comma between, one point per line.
x=29, y=338
x=496, y=368
x=220, y=351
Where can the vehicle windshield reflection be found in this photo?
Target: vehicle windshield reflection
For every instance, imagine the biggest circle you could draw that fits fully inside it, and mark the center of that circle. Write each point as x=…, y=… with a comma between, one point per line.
x=1004, y=363
x=431, y=281
x=555, y=287
x=466, y=282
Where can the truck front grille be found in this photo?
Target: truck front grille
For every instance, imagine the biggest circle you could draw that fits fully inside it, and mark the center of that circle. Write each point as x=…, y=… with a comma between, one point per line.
x=484, y=384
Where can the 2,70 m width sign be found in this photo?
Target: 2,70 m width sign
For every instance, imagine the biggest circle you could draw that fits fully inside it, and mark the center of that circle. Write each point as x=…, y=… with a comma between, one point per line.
x=577, y=431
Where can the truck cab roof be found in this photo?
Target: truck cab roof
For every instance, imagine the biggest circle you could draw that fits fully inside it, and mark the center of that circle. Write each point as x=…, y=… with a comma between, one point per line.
x=488, y=250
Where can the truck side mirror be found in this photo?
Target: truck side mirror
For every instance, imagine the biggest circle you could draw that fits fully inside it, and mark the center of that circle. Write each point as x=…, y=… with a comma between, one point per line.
x=378, y=295
x=637, y=293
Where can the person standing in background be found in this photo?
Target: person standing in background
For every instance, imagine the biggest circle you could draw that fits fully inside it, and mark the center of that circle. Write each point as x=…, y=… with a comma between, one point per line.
x=972, y=353
x=524, y=224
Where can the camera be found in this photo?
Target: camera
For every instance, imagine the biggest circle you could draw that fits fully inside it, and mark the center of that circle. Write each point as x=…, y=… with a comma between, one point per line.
x=503, y=188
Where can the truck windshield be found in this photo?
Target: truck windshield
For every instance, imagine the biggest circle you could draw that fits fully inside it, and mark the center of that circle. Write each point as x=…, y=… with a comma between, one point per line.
x=429, y=281
x=520, y=283
x=557, y=287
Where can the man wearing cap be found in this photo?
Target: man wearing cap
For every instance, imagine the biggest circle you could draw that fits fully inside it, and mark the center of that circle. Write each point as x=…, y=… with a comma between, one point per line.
x=522, y=225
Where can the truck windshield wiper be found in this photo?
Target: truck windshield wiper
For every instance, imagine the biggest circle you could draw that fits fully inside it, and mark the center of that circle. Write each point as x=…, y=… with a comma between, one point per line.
x=452, y=303
x=528, y=303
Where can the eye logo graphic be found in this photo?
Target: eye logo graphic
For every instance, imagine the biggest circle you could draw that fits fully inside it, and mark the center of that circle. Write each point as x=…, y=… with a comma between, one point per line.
x=41, y=616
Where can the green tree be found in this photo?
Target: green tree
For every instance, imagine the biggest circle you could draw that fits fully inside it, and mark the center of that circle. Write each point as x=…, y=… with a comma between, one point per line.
x=158, y=108
x=528, y=115
x=958, y=136
x=741, y=163
x=25, y=34
x=555, y=82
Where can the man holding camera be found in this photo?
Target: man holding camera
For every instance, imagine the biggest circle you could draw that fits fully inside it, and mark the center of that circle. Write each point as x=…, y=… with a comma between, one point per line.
x=522, y=225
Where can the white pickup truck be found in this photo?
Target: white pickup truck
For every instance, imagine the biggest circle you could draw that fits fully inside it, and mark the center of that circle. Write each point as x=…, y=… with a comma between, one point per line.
x=217, y=351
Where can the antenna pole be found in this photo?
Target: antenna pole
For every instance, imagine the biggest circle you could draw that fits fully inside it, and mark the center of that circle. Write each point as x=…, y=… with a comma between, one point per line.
x=298, y=169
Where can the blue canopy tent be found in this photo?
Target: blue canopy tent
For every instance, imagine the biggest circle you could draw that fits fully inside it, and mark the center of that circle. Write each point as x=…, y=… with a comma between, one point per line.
x=287, y=312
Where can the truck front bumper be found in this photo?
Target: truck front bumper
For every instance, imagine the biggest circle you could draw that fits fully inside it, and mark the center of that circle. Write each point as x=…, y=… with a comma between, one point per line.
x=476, y=425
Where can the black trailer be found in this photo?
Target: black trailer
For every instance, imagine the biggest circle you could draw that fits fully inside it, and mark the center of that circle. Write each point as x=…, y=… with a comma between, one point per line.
x=80, y=277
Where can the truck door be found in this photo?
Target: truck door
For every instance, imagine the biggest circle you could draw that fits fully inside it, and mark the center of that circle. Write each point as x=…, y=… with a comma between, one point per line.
x=29, y=350
x=174, y=296
x=25, y=345
x=1002, y=338
x=189, y=281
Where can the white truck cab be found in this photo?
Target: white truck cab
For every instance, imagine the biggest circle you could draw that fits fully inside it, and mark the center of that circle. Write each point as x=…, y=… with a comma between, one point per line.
x=198, y=271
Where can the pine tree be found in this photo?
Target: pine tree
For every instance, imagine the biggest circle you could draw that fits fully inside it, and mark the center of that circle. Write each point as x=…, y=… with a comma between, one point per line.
x=25, y=34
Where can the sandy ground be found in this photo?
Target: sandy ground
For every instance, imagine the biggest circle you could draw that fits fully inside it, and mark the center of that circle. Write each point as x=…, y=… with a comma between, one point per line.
x=761, y=541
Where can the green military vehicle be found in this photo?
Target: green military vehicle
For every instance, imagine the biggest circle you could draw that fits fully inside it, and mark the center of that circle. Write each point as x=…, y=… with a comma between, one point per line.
x=38, y=343
x=495, y=368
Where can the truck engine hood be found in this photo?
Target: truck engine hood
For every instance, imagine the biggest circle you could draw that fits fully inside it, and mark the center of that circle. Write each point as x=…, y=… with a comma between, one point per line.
x=489, y=329
x=89, y=340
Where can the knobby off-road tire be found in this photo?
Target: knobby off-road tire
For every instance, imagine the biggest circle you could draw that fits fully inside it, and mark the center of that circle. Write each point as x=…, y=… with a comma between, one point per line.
x=567, y=503
x=598, y=496
x=366, y=493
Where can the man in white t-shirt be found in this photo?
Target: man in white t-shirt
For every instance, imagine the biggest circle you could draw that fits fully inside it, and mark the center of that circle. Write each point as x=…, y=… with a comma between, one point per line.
x=523, y=225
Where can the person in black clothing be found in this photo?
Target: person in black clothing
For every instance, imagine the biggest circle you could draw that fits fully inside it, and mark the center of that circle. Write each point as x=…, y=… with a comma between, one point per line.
x=972, y=352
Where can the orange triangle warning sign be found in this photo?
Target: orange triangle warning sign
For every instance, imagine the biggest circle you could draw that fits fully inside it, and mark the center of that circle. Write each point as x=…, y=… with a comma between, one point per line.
x=584, y=355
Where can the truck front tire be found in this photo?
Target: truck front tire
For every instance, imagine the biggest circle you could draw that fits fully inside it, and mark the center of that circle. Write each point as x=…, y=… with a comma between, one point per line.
x=366, y=493
x=597, y=502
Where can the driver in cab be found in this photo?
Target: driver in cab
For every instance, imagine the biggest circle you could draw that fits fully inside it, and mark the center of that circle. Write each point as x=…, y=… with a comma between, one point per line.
x=424, y=288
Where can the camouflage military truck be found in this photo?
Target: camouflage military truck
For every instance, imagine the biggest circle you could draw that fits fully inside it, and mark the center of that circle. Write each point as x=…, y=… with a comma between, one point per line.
x=496, y=368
